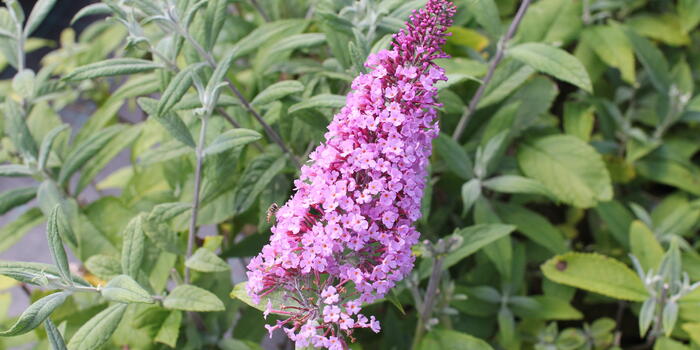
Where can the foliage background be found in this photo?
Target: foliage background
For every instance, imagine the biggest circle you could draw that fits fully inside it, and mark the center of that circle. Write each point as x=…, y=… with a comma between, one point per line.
x=584, y=140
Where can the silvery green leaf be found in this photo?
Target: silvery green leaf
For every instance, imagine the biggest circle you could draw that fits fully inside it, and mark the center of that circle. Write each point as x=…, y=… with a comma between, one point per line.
x=486, y=293
x=97, y=331
x=190, y=298
x=83, y=152
x=47, y=144
x=516, y=184
x=133, y=246
x=669, y=317
x=205, y=260
x=16, y=197
x=471, y=191
x=24, y=83
x=277, y=91
x=54, y=336
x=230, y=139
x=35, y=314
x=39, y=11
x=124, y=289
x=16, y=128
x=34, y=273
x=58, y=252
x=112, y=67
x=91, y=10
x=12, y=170
x=319, y=101
x=170, y=121
x=298, y=41
x=486, y=155
x=176, y=89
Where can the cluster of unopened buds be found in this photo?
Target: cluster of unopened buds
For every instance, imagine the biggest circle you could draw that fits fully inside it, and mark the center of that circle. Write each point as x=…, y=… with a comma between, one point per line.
x=344, y=239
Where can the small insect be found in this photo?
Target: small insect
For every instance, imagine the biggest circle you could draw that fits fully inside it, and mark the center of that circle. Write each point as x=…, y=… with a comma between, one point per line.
x=272, y=211
x=561, y=265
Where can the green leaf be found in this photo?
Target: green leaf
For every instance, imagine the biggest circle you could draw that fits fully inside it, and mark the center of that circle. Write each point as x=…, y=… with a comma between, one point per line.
x=533, y=225
x=230, y=139
x=554, y=22
x=689, y=13
x=265, y=33
x=319, y=101
x=644, y=246
x=471, y=191
x=298, y=41
x=486, y=13
x=455, y=156
x=157, y=228
x=15, y=230
x=473, y=239
x=16, y=128
x=610, y=43
x=170, y=329
x=104, y=156
x=570, y=169
x=445, y=339
x=47, y=144
x=277, y=91
x=35, y=314
x=205, y=260
x=171, y=122
x=665, y=27
x=653, y=61
x=16, y=197
x=58, y=253
x=617, y=218
x=91, y=10
x=596, y=273
x=112, y=67
x=553, y=61
x=82, y=153
x=12, y=170
x=54, y=336
x=516, y=184
x=176, y=89
x=34, y=273
x=103, y=266
x=40, y=10
x=190, y=298
x=133, y=246
x=24, y=83
x=97, y=331
x=123, y=289
x=508, y=76
x=579, y=120
x=665, y=169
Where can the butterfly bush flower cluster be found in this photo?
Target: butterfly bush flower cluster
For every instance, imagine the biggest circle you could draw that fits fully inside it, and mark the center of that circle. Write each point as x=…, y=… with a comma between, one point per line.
x=345, y=237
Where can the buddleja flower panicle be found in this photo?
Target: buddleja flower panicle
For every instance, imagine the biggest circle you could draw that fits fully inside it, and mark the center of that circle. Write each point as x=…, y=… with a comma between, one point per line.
x=345, y=236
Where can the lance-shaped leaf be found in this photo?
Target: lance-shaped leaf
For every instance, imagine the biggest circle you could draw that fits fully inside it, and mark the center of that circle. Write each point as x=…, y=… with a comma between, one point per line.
x=54, y=336
x=596, y=273
x=12, y=170
x=47, y=144
x=82, y=153
x=97, y=331
x=473, y=238
x=553, y=61
x=277, y=91
x=58, y=253
x=124, y=289
x=170, y=121
x=35, y=314
x=112, y=67
x=205, y=260
x=190, y=298
x=230, y=139
x=39, y=11
x=16, y=128
x=16, y=197
x=133, y=246
x=176, y=89
x=455, y=156
x=319, y=101
x=35, y=273
x=156, y=226
x=170, y=329
x=298, y=41
x=91, y=10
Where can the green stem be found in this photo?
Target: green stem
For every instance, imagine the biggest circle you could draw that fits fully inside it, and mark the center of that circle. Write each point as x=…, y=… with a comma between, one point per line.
x=429, y=301
x=195, y=201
